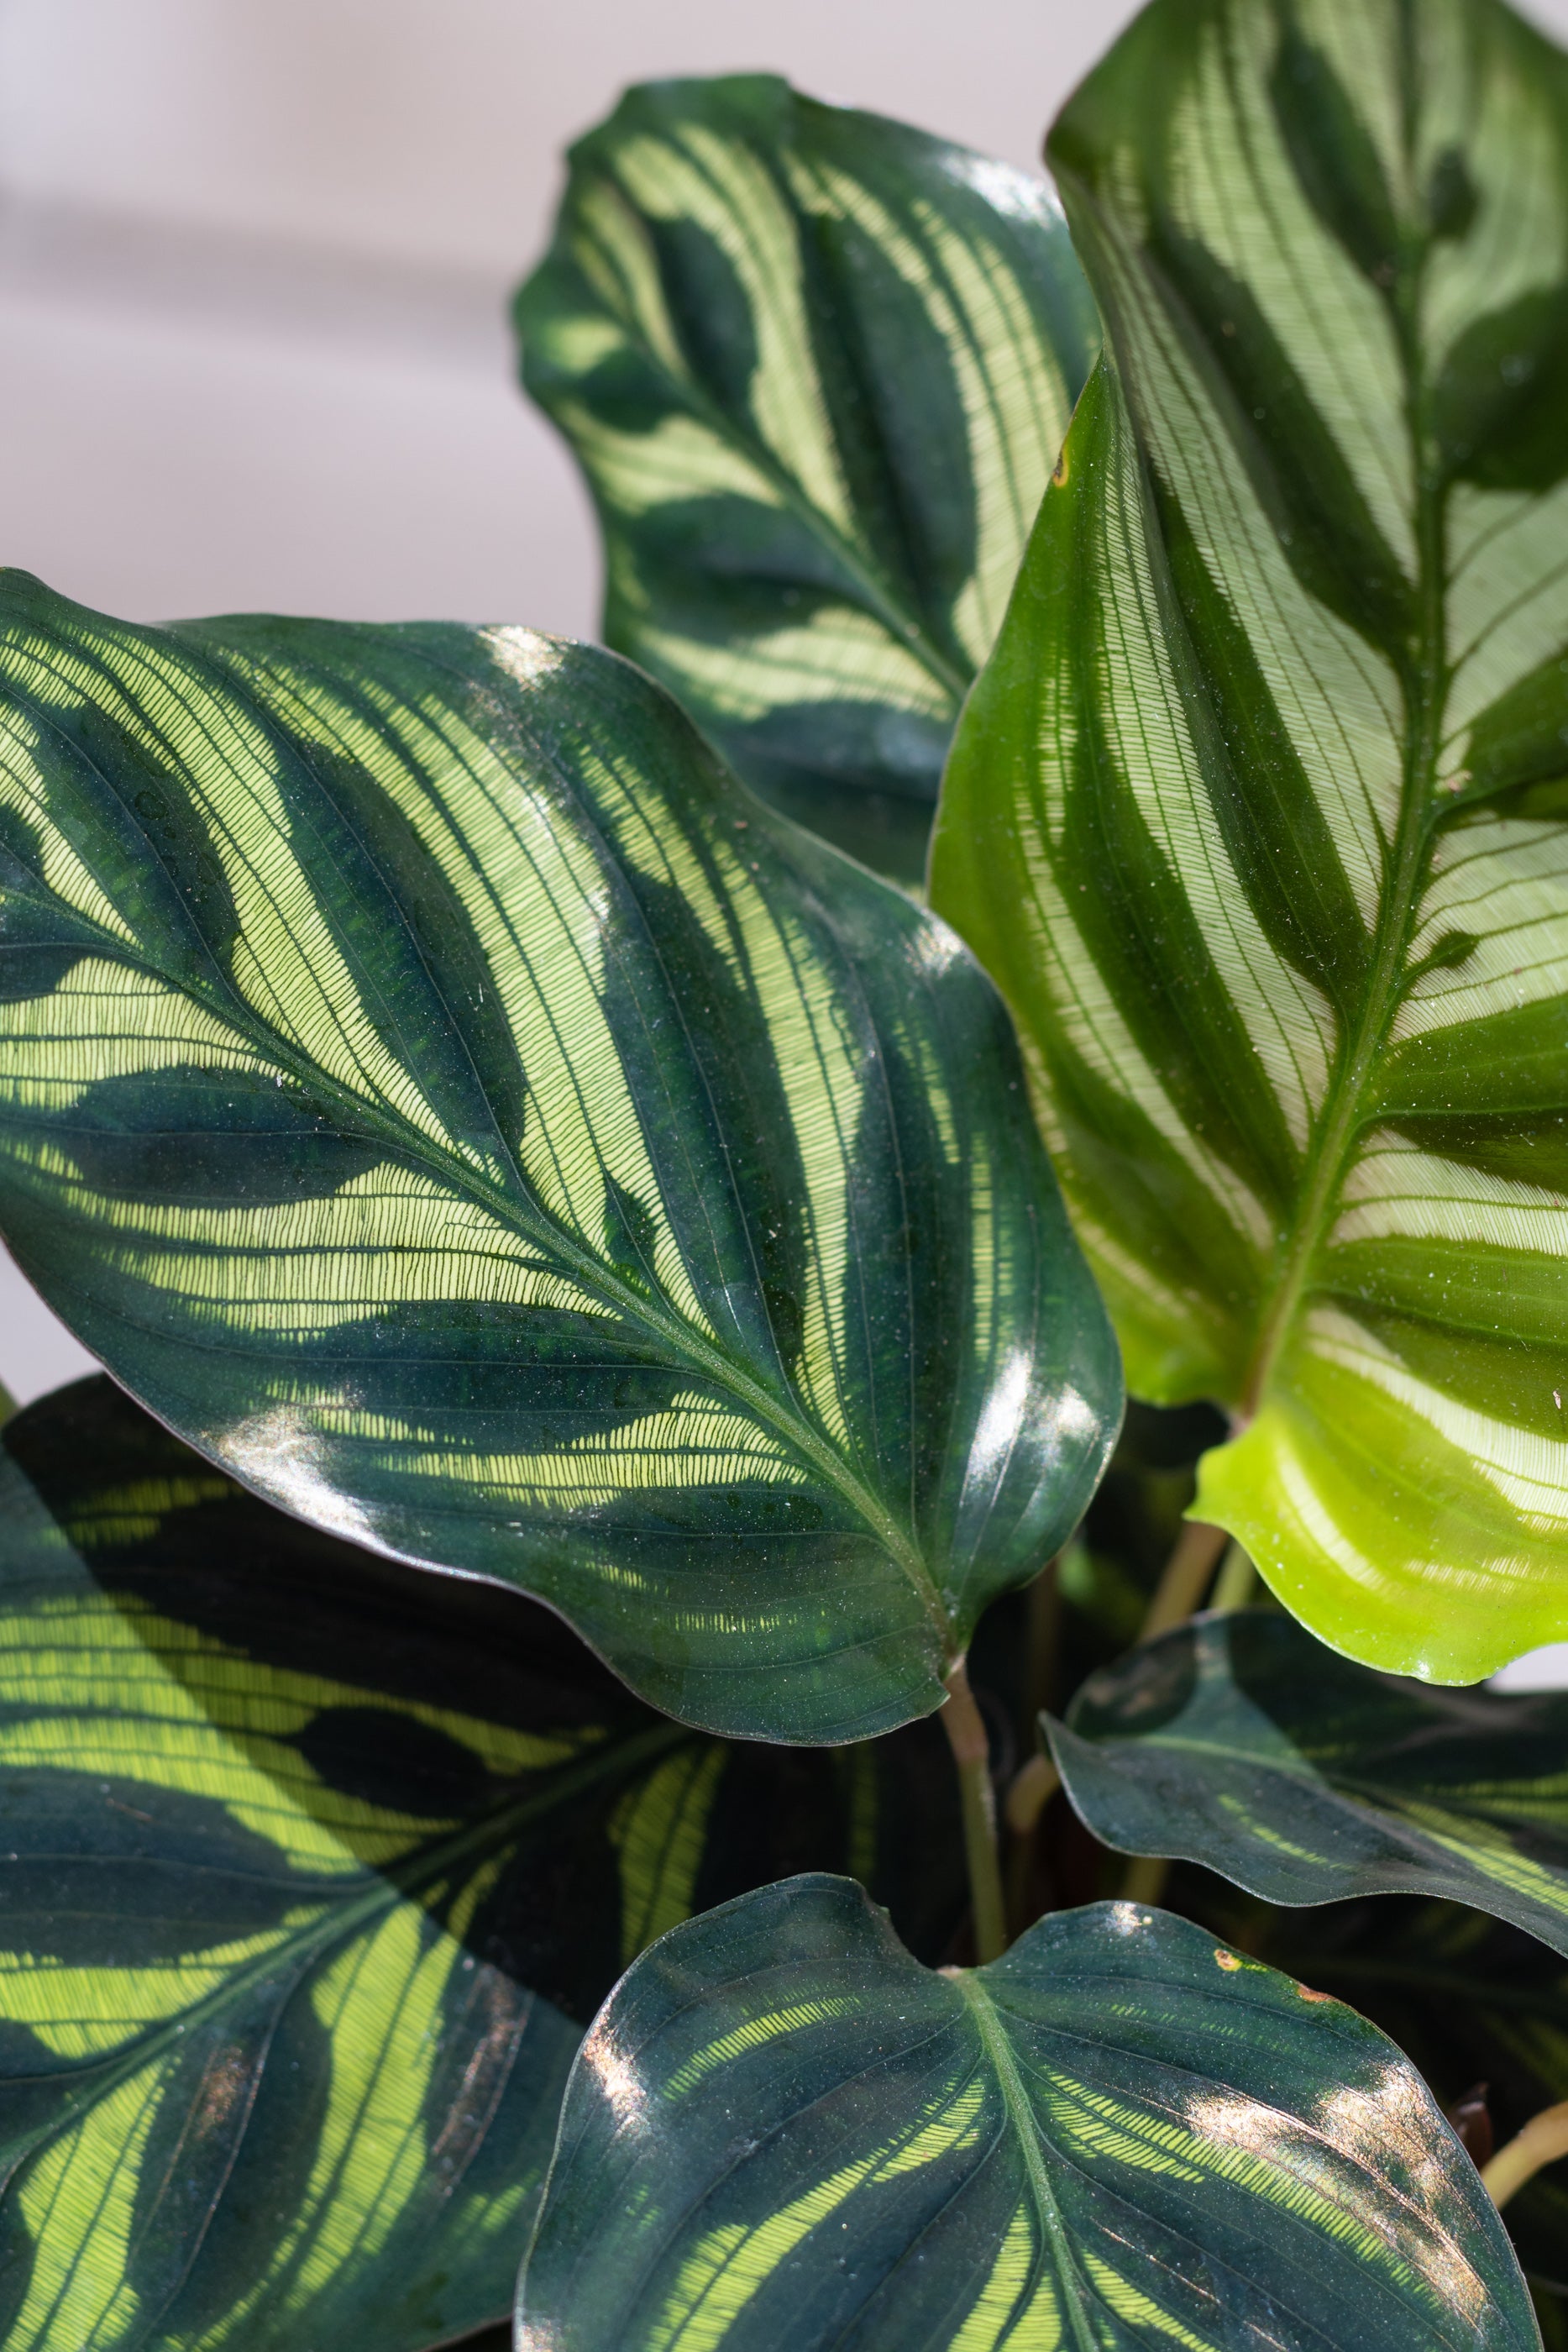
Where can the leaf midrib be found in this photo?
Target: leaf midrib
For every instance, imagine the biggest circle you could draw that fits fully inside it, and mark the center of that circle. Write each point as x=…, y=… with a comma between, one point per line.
x=672, y=1335
x=1021, y=2117
x=399, y=1881
x=878, y=593
x=1425, y=684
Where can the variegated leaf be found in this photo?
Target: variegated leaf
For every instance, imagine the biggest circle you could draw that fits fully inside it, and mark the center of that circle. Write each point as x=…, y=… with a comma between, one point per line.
x=448, y=1099
x=310, y=1871
x=817, y=367
x=1259, y=813
x=781, y=2134
x=1241, y=1742
x=1480, y=2008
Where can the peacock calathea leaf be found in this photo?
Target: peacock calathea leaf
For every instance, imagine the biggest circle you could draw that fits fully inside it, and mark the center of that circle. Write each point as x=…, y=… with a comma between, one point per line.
x=1259, y=813
x=1476, y=2005
x=441, y=1092
x=817, y=367
x=782, y=2134
x=1241, y=1742
x=312, y=1871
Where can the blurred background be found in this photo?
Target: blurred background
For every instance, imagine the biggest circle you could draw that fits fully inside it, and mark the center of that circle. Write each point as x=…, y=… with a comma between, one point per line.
x=254, y=258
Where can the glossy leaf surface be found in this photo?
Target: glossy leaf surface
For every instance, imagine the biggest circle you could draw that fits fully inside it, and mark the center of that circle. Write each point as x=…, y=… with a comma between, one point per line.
x=1241, y=1742
x=1258, y=816
x=783, y=2134
x=311, y=1871
x=817, y=367
x=1473, y=2002
x=434, y=1086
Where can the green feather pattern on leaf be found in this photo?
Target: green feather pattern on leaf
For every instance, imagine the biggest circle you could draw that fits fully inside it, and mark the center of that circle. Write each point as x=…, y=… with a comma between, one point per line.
x=816, y=367
x=782, y=2135
x=311, y=1871
x=1241, y=1742
x=1256, y=812
x=432, y=1085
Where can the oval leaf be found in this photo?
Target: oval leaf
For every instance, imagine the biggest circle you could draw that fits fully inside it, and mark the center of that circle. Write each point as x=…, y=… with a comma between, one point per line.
x=1241, y=1742
x=1253, y=814
x=817, y=368
x=782, y=2133
x=311, y=1871
x=438, y=1090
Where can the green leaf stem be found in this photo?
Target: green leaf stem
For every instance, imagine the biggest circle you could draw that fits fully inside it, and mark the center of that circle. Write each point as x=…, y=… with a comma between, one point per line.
x=817, y=367
x=450, y=1101
x=312, y=1871
x=1259, y=814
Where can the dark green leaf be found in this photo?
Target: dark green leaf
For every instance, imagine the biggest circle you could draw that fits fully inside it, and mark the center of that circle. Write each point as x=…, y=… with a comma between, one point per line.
x=1259, y=813
x=310, y=1870
x=1472, y=2003
x=470, y=1117
x=1241, y=1742
x=817, y=368
x=782, y=2134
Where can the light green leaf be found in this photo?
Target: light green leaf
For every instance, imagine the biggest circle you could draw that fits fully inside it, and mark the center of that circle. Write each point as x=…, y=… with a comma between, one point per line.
x=782, y=2135
x=817, y=368
x=1241, y=1742
x=1257, y=813
x=436, y=1087
x=310, y=1871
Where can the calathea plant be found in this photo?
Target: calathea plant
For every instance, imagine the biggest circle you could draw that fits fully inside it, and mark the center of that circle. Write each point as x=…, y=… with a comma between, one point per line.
x=604, y=1377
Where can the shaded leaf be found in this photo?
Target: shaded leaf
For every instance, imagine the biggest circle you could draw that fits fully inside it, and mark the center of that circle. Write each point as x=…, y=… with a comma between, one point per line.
x=479, y=1124
x=311, y=1871
x=1253, y=815
x=1241, y=1742
x=781, y=2132
x=817, y=367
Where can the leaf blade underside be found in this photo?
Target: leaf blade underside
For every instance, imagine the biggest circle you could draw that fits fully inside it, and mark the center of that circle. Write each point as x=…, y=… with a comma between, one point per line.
x=1255, y=815
x=1117, y=2135
x=816, y=367
x=432, y=1084
x=1239, y=1742
x=311, y=1871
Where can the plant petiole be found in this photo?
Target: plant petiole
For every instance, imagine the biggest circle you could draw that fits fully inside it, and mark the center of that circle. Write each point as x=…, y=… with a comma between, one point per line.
x=966, y=1729
x=1185, y=1578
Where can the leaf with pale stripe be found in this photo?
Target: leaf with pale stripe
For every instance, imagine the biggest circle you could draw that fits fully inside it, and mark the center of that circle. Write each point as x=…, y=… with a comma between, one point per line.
x=432, y=1084
x=1258, y=814
x=782, y=2134
x=816, y=367
x=1241, y=1742
x=1472, y=2003
x=310, y=1871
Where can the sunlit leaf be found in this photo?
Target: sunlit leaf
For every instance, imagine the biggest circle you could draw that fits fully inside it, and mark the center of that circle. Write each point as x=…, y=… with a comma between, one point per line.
x=781, y=2134
x=432, y=1084
x=1474, y=2004
x=1241, y=1742
x=1258, y=814
x=311, y=1870
x=817, y=368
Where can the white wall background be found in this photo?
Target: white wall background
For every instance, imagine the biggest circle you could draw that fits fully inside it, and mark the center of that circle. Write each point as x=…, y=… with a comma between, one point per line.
x=254, y=259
